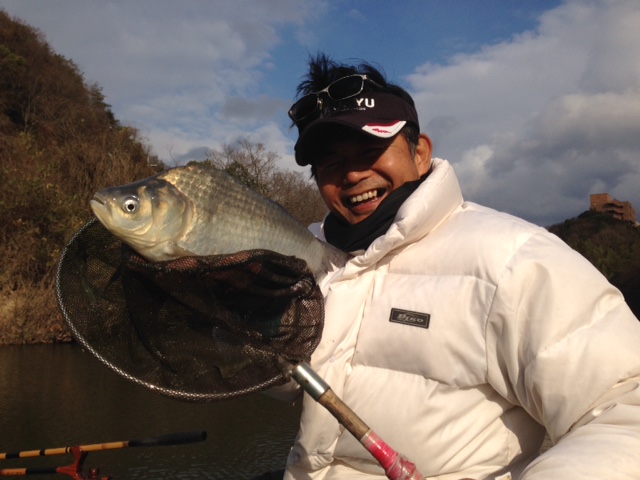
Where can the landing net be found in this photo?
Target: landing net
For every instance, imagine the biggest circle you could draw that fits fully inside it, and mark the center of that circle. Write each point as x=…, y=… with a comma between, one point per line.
x=196, y=328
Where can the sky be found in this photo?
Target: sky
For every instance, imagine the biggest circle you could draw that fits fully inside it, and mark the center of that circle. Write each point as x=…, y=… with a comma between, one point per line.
x=536, y=104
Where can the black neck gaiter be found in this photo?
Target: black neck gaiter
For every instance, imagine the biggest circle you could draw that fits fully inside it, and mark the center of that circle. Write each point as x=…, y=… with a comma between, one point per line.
x=359, y=236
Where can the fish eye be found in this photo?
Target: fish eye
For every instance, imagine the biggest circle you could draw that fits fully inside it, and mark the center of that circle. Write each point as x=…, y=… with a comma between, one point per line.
x=130, y=205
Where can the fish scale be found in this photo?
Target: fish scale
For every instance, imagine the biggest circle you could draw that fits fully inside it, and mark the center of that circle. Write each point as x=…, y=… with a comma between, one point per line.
x=200, y=210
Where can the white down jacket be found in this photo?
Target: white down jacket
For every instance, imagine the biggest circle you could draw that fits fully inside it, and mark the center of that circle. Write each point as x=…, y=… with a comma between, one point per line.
x=523, y=336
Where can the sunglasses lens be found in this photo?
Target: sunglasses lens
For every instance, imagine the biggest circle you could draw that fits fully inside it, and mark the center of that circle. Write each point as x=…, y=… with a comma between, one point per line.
x=304, y=107
x=346, y=87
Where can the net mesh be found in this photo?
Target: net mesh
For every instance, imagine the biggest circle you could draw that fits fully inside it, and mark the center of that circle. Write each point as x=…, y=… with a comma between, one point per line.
x=195, y=328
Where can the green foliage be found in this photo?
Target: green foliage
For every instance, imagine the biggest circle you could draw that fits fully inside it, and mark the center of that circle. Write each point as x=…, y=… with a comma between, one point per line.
x=613, y=246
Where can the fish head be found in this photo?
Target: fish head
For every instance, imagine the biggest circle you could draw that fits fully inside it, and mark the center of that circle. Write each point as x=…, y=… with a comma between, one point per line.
x=150, y=215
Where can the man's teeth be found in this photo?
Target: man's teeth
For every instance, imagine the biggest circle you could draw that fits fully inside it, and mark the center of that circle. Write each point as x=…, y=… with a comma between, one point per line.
x=363, y=197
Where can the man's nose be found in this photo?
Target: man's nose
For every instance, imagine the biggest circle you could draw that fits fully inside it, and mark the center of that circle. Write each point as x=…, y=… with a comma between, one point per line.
x=354, y=170
x=354, y=173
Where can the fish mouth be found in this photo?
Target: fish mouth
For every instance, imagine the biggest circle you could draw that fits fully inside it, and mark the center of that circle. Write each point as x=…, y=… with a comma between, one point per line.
x=99, y=206
x=99, y=199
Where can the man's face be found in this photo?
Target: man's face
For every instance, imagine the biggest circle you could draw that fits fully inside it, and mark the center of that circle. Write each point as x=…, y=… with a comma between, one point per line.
x=356, y=172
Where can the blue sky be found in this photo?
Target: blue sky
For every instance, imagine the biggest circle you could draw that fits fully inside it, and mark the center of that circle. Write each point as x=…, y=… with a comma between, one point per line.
x=413, y=33
x=535, y=103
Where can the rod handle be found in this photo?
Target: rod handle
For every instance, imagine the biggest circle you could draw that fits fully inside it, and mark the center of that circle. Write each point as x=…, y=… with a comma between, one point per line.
x=12, y=472
x=345, y=416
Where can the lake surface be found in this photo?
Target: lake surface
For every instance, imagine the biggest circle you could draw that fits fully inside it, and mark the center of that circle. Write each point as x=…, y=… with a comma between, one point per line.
x=60, y=395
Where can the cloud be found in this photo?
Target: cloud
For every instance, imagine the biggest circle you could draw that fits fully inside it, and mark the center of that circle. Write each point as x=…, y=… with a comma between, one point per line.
x=252, y=109
x=577, y=145
x=537, y=123
x=186, y=73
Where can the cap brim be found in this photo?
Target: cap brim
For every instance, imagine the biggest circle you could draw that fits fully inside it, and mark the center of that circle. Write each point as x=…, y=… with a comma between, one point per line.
x=380, y=114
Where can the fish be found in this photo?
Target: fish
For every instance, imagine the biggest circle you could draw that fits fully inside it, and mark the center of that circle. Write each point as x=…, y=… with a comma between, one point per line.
x=200, y=210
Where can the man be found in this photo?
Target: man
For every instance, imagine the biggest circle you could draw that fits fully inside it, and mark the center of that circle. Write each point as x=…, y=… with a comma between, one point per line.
x=461, y=335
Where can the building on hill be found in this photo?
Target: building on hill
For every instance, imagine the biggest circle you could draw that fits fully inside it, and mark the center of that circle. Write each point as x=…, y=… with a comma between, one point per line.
x=603, y=203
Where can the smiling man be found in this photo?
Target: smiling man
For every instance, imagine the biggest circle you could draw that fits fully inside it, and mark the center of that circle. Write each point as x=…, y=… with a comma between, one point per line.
x=356, y=174
x=463, y=336
x=362, y=149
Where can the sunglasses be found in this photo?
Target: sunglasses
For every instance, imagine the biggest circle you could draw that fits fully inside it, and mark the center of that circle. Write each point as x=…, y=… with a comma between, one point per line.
x=341, y=89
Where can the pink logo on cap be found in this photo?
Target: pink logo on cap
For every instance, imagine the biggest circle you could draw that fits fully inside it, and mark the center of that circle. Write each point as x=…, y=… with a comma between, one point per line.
x=387, y=130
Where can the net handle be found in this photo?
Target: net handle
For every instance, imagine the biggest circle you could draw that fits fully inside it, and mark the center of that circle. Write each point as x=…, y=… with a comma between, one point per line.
x=396, y=466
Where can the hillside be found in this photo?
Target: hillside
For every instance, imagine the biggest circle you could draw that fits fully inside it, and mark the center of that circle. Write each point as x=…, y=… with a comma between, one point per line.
x=59, y=143
x=613, y=246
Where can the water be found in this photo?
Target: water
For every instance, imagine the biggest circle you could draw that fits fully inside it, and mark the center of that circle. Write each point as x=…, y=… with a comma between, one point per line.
x=60, y=395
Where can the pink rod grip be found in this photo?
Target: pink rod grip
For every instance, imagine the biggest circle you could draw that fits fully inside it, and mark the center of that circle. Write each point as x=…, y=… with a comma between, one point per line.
x=395, y=465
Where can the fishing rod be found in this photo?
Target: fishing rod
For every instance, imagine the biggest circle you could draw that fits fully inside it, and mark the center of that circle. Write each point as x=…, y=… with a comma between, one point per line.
x=396, y=466
x=80, y=452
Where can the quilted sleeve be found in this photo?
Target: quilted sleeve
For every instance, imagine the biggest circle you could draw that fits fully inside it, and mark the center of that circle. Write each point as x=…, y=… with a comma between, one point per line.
x=563, y=344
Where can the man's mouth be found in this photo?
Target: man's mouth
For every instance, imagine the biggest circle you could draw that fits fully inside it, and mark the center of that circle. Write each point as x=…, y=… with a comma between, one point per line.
x=364, y=197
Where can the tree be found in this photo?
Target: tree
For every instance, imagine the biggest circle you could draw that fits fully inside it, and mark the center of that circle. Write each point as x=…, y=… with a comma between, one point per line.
x=611, y=245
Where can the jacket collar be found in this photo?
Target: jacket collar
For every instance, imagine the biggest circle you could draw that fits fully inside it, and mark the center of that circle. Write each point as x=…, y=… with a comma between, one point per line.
x=430, y=205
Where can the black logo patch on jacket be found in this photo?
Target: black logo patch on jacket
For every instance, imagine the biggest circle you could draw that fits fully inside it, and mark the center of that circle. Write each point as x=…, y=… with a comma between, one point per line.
x=407, y=317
